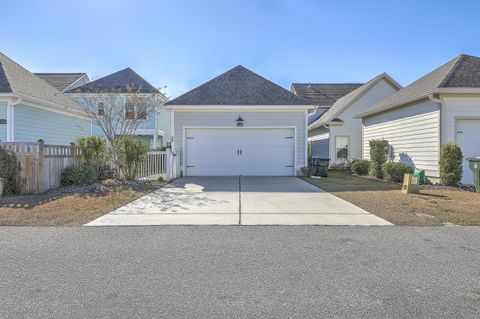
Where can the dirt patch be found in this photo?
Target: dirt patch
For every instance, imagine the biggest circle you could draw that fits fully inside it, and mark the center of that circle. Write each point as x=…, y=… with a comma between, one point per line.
x=71, y=206
x=433, y=206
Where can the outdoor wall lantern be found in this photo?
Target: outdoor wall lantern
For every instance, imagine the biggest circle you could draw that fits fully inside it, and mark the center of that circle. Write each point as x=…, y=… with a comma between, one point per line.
x=239, y=121
x=3, y=121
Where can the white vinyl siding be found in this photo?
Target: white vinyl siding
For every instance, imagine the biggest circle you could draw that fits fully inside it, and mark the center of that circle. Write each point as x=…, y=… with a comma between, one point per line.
x=219, y=119
x=413, y=131
x=457, y=108
x=351, y=126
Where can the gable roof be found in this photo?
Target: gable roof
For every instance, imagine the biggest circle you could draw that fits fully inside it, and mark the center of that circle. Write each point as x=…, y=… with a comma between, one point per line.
x=19, y=82
x=123, y=81
x=323, y=94
x=346, y=101
x=239, y=86
x=461, y=72
x=61, y=81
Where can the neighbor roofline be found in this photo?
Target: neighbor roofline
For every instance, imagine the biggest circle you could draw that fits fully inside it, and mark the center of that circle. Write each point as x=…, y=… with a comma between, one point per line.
x=366, y=87
x=49, y=106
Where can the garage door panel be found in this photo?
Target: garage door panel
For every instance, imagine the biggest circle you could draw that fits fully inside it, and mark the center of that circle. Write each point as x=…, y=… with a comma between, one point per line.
x=468, y=137
x=239, y=151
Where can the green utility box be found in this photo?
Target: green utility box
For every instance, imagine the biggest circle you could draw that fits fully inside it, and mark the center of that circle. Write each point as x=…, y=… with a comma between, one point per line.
x=474, y=163
x=420, y=173
x=321, y=165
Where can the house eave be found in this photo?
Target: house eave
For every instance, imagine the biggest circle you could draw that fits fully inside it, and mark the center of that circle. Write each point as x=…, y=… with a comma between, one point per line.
x=238, y=107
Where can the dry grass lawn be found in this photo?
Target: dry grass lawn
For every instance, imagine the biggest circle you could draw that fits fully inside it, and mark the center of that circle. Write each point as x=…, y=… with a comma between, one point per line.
x=64, y=210
x=433, y=206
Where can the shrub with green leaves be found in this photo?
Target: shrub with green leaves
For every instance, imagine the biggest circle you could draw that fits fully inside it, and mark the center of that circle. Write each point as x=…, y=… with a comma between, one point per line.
x=9, y=172
x=130, y=153
x=78, y=175
x=450, y=164
x=395, y=171
x=378, y=156
x=361, y=167
x=94, y=150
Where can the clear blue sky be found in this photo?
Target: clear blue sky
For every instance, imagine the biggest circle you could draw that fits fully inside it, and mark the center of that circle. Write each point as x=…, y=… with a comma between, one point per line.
x=183, y=43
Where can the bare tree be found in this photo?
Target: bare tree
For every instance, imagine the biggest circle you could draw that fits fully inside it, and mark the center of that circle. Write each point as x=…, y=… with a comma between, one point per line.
x=119, y=114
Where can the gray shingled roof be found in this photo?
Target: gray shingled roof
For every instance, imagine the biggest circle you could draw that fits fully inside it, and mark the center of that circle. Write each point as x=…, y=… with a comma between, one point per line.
x=123, y=81
x=60, y=81
x=18, y=81
x=346, y=101
x=461, y=72
x=323, y=94
x=239, y=86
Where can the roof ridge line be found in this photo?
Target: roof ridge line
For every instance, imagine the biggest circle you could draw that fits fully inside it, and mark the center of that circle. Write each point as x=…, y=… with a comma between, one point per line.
x=451, y=70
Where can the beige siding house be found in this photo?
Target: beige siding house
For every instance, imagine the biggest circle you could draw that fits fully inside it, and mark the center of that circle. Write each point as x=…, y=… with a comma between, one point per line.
x=338, y=126
x=442, y=106
x=239, y=123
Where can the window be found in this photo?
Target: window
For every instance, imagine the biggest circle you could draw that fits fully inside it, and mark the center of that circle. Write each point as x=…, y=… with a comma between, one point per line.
x=130, y=111
x=342, y=147
x=101, y=108
x=135, y=111
x=141, y=111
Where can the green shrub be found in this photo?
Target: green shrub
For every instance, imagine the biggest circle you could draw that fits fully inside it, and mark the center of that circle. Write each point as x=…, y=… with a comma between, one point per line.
x=450, y=164
x=78, y=175
x=376, y=170
x=394, y=171
x=361, y=167
x=9, y=171
x=130, y=153
x=94, y=150
x=105, y=172
x=378, y=151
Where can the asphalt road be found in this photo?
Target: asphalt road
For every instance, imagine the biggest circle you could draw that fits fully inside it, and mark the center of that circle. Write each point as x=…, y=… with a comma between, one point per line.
x=240, y=272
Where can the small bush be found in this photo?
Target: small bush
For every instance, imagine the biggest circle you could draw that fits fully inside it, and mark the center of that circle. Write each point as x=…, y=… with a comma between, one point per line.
x=131, y=152
x=394, y=171
x=94, y=151
x=361, y=167
x=450, y=164
x=78, y=175
x=378, y=151
x=105, y=172
x=376, y=170
x=9, y=171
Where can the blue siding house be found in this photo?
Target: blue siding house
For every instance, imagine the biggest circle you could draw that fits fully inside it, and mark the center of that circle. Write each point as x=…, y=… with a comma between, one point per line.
x=154, y=126
x=32, y=109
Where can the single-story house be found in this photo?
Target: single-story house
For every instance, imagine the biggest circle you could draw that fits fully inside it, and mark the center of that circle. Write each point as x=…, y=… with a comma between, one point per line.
x=154, y=125
x=31, y=109
x=65, y=81
x=337, y=133
x=240, y=123
x=442, y=106
x=322, y=95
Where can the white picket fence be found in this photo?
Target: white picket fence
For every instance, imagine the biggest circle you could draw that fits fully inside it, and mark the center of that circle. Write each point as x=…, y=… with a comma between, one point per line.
x=158, y=164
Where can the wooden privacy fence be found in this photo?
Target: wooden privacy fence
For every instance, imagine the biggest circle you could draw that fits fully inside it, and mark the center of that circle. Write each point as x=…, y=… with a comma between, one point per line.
x=41, y=164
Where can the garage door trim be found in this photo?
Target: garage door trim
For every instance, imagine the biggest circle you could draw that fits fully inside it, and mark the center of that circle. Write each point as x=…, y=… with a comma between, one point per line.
x=185, y=128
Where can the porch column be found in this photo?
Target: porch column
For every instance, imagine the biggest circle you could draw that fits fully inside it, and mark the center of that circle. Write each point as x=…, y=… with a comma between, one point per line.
x=155, y=138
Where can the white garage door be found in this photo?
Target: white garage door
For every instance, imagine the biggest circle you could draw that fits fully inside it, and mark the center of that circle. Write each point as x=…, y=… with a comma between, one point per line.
x=468, y=137
x=239, y=151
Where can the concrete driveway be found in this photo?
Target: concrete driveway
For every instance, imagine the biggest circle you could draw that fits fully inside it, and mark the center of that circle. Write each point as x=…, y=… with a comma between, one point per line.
x=239, y=201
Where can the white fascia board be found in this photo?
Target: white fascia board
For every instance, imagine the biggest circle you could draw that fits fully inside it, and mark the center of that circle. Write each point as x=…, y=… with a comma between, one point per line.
x=319, y=137
x=458, y=90
x=191, y=108
x=47, y=106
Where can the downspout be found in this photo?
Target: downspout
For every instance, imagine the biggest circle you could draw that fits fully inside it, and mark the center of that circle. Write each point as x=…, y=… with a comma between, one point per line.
x=306, y=125
x=11, y=119
x=440, y=130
